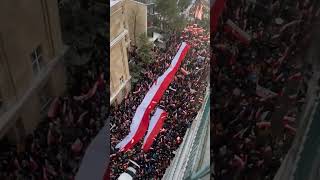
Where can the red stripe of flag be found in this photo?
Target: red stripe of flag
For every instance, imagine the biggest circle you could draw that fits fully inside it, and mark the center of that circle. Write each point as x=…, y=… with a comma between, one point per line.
x=155, y=126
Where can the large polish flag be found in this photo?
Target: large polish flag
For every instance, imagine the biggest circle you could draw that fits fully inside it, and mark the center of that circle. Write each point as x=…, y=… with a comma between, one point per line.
x=155, y=126
x=140, y=119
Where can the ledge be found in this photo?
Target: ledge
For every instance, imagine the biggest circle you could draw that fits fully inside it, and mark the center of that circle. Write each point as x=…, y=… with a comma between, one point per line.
x=118, y=38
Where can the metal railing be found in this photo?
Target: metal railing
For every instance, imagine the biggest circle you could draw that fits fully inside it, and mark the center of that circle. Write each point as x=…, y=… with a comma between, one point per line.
x=289, y=164
x=194, y=162
x=188, y=156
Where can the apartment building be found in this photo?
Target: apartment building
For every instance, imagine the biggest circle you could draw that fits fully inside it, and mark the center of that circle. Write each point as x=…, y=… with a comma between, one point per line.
x=32, y=71
x=136, y=16
x=119, y=41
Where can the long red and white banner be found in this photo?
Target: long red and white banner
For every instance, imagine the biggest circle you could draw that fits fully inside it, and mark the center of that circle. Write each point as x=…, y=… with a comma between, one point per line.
x=140, y=120
x=155, y=126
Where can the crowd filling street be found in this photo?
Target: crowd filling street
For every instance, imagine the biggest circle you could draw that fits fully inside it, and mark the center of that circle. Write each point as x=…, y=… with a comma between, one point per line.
x=182, y=100
x=250, y=77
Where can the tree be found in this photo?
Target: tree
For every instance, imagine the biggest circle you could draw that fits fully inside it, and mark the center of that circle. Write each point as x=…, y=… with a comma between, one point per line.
x=183, y=4
x=135, y=71
x=180, y=23
x=144, y=58
x=167, y=9
x=144, y=49
x=170, y=17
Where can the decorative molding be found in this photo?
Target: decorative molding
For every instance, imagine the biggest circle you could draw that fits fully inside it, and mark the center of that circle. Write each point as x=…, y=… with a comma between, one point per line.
x=118, y=38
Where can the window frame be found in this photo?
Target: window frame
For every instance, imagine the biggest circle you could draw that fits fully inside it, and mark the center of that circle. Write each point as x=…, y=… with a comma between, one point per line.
x=36, y=59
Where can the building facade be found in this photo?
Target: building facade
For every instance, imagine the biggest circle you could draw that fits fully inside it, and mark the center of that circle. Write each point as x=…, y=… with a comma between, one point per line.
x=149, y=23
x=136, y=16
x=119, y=41
x=32, y=72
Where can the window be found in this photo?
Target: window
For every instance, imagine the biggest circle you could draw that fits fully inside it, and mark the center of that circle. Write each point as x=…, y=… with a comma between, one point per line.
x=36, y=60
x=121, y=80
x=151, y=9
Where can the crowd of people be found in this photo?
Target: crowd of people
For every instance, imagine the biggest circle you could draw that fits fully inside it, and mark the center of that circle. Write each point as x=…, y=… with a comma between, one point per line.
x=245, y=145
x=181, y=101
x=55, y=148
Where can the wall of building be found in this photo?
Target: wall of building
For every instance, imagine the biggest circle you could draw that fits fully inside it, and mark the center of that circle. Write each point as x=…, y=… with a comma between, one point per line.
x=7, y=89
x=117, y=21
x=136, y=15
x=119, y=68
x=119, y=71
x=58, y=79
x=53, y=27
x=22, y=32
x=28, y=24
